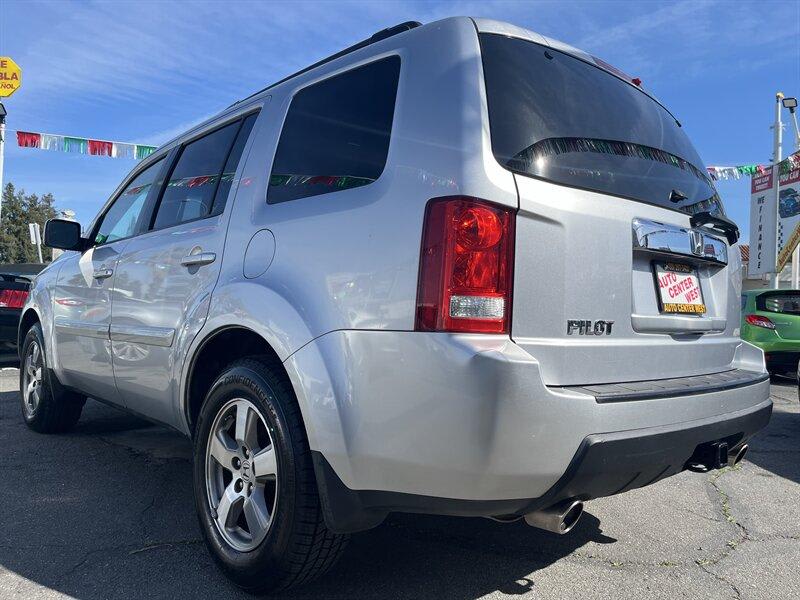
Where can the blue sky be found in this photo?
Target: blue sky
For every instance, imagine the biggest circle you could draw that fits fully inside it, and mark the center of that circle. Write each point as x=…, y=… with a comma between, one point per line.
x=145, y=71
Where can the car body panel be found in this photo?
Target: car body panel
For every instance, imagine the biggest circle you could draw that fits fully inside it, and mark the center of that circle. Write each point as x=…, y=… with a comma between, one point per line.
x=155, y=299
x=601, y=277
x=467, y=416
x=82, y=317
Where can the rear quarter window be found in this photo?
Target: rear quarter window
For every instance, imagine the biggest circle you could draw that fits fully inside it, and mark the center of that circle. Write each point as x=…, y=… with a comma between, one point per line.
x=336, y=133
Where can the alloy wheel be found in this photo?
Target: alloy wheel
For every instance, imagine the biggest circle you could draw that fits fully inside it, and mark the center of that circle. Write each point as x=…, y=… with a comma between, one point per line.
x=32, y=379
x=241, y=474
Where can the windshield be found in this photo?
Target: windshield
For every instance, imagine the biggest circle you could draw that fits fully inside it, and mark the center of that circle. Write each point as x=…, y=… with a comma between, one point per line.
x=556, y=117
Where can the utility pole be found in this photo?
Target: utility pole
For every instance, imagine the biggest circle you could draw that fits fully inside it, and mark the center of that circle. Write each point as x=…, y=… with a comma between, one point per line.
x=777, y=136
x=2, y=153
x=791, y=104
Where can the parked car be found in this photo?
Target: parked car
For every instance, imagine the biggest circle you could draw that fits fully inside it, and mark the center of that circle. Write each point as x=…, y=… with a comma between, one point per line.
x=788, y=203
x=771, y=321
x=15, y=279
x=398, y=281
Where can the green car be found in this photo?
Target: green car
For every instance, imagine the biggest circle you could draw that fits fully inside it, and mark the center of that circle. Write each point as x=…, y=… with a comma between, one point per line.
x=771, y=321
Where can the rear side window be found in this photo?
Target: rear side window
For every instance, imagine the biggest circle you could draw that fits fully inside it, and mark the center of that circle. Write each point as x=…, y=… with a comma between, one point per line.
x=336, y=134
x=229, y=172
x=192, y=189
x=784, y=302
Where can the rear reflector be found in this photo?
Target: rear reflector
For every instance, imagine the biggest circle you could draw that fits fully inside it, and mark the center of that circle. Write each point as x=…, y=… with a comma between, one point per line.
x=13, y=298
x=466, y=266
x=759, y=321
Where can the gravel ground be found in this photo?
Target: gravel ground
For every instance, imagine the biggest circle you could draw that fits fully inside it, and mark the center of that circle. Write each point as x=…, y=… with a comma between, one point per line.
x=106, y=512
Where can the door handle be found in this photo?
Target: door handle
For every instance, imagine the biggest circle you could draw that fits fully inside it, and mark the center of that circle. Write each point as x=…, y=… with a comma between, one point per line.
x=103, y=273
x=199, y=259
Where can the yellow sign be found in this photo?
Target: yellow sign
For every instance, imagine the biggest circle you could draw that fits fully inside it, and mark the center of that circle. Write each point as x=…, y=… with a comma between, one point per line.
x=10, y=76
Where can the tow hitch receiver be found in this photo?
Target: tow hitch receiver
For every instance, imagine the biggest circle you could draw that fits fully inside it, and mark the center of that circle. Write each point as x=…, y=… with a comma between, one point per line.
x=707, y=457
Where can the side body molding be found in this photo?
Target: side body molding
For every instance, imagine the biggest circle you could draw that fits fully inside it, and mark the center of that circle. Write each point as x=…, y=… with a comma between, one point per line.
x=82, y=328
x=138, y=334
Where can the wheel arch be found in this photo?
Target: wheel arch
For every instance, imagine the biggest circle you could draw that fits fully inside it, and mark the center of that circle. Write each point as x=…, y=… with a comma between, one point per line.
x=26, y=321
x=220, y=348
x=213, y=353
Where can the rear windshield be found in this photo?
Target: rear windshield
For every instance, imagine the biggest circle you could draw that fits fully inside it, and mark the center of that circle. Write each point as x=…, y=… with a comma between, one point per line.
x=786, y=302
x=556, y=117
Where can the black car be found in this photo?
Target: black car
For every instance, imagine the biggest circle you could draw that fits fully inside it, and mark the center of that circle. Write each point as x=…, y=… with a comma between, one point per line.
x=15, y=280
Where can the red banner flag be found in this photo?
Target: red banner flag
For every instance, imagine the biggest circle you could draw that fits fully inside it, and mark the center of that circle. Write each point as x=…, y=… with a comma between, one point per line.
x=26, y=139
x=100, y=148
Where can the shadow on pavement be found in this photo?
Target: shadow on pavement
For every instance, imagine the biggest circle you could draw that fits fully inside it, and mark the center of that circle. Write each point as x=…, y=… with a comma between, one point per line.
x=107, y=512
x=776, y=448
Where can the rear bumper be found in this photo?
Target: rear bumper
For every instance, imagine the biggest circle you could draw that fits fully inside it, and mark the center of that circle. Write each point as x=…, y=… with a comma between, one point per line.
x=604, y=465
x=464, y=425
x=612, y=463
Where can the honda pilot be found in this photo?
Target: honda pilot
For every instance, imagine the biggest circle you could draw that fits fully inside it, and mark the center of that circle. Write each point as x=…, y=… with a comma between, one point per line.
x=458, y=269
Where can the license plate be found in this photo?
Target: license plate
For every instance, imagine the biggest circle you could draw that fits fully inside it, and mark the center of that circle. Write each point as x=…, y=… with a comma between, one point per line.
x=678, y=289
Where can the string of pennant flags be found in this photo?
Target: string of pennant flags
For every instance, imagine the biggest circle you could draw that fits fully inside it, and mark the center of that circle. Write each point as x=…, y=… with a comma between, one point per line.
x=785, y=166
x=79, y=145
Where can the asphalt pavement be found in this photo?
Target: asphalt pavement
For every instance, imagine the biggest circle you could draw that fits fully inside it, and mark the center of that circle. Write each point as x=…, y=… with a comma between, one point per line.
x=106, y=512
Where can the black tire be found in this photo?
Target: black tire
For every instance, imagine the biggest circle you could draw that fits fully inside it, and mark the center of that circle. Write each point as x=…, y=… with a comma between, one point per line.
x=298, y=546
x=57, y=409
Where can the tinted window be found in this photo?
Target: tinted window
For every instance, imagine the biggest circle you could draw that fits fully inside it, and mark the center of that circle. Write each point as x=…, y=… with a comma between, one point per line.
x=190, y=190
x=559, y=118
x=336, y=134
x=779, y=302
x=229, y=172
x=122, y=217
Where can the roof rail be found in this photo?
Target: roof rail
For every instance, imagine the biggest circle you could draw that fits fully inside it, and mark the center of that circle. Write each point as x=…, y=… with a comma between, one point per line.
x=376, y=37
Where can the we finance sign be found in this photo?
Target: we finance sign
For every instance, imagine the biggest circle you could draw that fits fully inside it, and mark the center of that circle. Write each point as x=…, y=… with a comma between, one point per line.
x=774, y=217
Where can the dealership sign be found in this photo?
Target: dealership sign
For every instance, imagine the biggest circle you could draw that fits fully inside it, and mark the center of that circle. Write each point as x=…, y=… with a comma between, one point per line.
x=762, y=224
x=10, y=76
x=788, y=215
x=765, y=255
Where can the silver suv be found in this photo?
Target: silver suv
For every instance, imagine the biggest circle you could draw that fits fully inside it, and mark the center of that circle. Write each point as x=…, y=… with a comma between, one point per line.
x=458, y=268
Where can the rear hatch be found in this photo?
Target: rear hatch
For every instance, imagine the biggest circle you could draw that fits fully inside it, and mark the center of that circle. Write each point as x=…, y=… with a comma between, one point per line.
x=612, y=281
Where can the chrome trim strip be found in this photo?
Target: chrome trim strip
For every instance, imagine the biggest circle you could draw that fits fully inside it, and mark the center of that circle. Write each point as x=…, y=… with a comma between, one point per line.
x=661, y=238
x=139, y=334
x=83, y=328
x=677, y=324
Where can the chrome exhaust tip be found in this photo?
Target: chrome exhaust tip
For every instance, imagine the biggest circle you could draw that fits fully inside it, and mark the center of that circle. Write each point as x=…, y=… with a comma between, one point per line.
x=559, y=518
x=734, y=458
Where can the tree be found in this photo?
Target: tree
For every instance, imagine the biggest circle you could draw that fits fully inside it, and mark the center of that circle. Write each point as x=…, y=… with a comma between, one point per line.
x=18, y=211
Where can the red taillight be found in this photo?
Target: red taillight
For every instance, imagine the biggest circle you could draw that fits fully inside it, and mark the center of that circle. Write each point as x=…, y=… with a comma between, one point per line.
x=13, y=298
x=466, y=266
x=759, y=321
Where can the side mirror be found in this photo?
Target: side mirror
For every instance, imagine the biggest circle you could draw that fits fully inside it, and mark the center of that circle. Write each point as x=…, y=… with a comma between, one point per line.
x=63, y=234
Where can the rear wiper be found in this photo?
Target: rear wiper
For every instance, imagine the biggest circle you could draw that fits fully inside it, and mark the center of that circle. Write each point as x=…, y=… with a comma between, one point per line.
x=720, y=223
